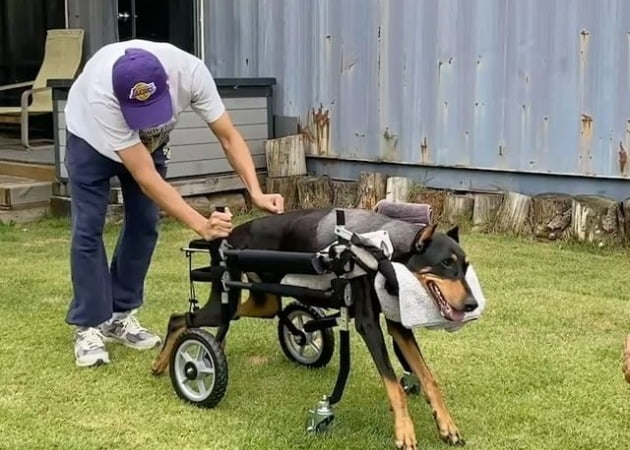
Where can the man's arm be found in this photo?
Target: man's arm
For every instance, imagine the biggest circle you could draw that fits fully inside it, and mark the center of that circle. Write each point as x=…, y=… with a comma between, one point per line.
x=138, y=161
x=237, y=153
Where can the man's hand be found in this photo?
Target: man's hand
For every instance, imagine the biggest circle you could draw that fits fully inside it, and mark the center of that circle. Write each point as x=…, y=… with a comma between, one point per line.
x=273, y=203
x=219, y=225
x=240, y=159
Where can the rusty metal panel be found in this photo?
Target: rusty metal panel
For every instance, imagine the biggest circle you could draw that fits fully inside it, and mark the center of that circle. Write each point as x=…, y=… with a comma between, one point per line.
x=517, y=85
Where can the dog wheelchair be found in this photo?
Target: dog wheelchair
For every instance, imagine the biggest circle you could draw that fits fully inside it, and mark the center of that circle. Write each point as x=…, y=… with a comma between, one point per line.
x=305, y=325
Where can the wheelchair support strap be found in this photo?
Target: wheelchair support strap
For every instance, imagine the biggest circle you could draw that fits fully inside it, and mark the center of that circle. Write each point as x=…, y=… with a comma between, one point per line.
x=344, y=358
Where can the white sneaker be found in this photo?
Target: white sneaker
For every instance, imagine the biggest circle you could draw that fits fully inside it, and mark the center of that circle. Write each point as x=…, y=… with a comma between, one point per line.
x=125, y=328
x=89, y=347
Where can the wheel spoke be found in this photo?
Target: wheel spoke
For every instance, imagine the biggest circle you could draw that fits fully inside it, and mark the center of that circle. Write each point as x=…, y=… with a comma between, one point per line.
x=186, y=357
x=206, y=369
x=202, y=388
x=315, y=347
x=200, y=354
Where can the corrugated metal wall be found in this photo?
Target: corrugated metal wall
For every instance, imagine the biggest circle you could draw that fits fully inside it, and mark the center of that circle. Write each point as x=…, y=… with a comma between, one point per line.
x=519, y=85
x=98, y=19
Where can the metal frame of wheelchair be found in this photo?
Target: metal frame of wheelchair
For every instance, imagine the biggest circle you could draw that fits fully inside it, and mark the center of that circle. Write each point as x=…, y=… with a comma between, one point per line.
x=207, y=368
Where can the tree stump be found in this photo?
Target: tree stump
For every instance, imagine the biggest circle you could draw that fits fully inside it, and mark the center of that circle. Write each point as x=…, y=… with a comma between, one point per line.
x=485, y=210
x=513, y=214
x=287, y=187
x=596, y=220
x=314, y=192
x=285, y=156
x=398, y=189
x=458, y=208
x=432, y=197
x=551, y=216
x=344, y=193
x=372, y=188
x=625, y=208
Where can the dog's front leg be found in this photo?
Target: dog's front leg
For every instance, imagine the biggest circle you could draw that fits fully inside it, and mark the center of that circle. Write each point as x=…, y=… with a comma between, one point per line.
x=409, y=347
x=176, y=326
x=367, y=324
x=626, y=359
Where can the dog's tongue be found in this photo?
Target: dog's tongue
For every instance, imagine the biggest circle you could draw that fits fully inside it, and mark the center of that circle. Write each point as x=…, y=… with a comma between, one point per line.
x=456, y=316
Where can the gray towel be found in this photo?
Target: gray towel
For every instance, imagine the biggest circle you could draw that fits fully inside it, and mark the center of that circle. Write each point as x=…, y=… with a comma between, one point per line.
x=416, y=213
x=414, y=307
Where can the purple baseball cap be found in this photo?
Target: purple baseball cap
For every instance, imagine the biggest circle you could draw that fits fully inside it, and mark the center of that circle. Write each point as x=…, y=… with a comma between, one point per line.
x=141, y=87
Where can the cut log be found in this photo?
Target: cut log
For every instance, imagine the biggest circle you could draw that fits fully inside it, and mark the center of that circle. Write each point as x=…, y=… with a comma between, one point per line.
x=287, y=187
x=458, y=208
x=344, y=193
x=596, y=220
x=551, y=216
x=398, y=189
x=513, y=214
x=207, y=204
x=625, y=209
x=485, y=210
x=432, y=197
x=285, y=156
x=314, y=192
x=372, y=188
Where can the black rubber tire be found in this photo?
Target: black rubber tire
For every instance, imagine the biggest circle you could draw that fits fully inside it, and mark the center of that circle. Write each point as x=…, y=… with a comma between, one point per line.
x=214, y=349
x=328, y=337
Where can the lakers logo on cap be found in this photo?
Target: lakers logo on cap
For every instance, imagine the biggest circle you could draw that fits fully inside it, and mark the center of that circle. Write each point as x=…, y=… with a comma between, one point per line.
x=142, y=91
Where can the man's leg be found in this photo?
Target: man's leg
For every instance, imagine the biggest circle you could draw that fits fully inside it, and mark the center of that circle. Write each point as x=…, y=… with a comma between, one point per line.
x=89, y=174
x=131, y=260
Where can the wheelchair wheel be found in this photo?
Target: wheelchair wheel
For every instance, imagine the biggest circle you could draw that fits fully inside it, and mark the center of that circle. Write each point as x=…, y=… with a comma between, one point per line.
x=316, y=349
x=198, y=368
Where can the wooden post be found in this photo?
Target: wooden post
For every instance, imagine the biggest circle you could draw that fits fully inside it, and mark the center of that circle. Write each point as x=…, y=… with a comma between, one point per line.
x=433, y=197
x=625, y=208
x=596, y=219
x=344, y=193
x=285, y=156
x=458, y=208
x=372, y=188
x=551, y=216
x=314, y=192
x=485, y=210
x=287, y=187
x=513, y=214
x=398, y=189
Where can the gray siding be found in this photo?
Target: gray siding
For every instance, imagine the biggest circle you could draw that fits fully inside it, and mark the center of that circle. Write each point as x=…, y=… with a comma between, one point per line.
x=194, y=149
x=60, y=121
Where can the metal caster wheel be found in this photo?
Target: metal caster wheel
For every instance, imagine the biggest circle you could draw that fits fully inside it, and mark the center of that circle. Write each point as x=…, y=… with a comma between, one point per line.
x=410, y=384
x=198, y=369
x=314, y=349
x=321, y=418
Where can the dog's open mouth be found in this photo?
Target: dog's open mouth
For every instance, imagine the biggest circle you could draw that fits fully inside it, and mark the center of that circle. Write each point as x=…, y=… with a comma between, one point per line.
x=447, y=311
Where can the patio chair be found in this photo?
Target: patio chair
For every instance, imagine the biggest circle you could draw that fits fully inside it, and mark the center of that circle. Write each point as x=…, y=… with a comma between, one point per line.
x=62, y=58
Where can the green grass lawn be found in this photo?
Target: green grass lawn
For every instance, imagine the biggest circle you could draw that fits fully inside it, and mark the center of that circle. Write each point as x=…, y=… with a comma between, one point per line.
x=541, y=370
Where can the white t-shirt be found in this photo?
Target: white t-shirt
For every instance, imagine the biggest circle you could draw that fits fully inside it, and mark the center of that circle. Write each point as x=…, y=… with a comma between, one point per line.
x=93, y=113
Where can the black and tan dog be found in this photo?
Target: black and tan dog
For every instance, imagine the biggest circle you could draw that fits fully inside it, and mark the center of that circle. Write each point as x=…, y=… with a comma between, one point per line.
x=436, y=259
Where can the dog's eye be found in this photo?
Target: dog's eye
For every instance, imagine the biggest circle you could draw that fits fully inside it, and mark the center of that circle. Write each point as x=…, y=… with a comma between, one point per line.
x=448, y=263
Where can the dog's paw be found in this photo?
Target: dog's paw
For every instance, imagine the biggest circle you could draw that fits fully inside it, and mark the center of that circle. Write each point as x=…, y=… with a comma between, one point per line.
x=448, y=431
x=159, y=366
x=405, y=435
x=454, y=439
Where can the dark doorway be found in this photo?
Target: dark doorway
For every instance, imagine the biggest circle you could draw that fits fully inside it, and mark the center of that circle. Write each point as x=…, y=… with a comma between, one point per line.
x=23, y=25
x=158, y=20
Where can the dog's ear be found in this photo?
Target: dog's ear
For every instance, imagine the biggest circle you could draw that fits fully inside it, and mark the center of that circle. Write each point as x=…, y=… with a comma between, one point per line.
x=453, y=233
x=422, y=237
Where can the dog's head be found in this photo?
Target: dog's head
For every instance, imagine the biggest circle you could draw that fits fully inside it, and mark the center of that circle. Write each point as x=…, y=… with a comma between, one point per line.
x=440, y=263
